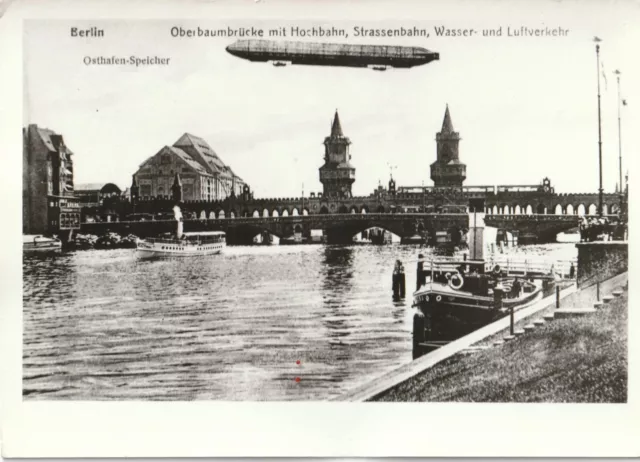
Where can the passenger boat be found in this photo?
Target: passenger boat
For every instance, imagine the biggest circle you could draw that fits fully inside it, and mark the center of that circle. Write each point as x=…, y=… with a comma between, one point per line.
x=187, y=245
x=458, y=297
x=38, y=243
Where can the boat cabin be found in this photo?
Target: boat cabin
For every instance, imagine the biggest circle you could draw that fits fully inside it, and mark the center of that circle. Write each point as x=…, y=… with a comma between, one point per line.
x=472, y=276
x=204, y=237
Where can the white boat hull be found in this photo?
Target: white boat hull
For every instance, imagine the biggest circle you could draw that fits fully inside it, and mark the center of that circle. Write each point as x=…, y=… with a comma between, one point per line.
x=145, y=249
x=40, y=244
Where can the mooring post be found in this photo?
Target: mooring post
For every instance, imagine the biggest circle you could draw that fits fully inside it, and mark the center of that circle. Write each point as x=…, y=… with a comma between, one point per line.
x=398, y=281
x=557, y=296
x=395, y=285
x=511, y=321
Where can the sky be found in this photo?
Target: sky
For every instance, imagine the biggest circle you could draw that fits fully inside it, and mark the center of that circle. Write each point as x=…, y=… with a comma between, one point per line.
x=525, y=107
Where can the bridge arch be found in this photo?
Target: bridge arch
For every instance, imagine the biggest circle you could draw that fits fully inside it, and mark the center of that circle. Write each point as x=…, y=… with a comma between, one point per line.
x=221, y=214
x=581, y=210
x=540, y=209
x=232, y=213
x=380, y=209
x=353, y=209
x=495, y=210
x=517, y=210
x=614, y=208
x=605, y=209
x=265, y=212
x=275, y=213
x=256, y=213
x=342, y=209
x=285, y=213
x=570, y=209
x=212, y=215
x=369, y=227
x=593, y=209
x=305, y=211
x=364, y=209
x=203, y=215
x=559, y=210
x=529, y=209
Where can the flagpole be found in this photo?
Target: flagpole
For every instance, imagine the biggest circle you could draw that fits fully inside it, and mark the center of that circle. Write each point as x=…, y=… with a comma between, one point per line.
x=599, y=133
x=617, y=72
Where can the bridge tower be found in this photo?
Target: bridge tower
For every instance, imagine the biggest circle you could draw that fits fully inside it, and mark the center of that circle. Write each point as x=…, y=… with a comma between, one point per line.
x=337, y=174
x=447, y=170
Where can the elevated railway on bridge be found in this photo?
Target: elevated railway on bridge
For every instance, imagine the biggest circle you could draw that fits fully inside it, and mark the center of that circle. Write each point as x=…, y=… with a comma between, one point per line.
x=341, y=228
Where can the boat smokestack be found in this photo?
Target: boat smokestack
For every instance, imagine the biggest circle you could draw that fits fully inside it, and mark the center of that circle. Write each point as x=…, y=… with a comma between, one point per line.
x=178, y=216
x=476, y=236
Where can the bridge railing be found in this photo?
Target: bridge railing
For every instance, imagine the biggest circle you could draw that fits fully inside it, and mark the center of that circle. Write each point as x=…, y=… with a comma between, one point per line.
x=532, y=217
x=303, y=218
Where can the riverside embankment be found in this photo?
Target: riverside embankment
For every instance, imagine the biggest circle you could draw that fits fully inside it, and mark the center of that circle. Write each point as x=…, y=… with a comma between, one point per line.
x=582, y=358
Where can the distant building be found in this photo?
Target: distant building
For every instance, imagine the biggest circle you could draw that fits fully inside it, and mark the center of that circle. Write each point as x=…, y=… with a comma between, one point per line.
x=203, y=174
x=93, y=194
x=337, y=174
x=49, y=203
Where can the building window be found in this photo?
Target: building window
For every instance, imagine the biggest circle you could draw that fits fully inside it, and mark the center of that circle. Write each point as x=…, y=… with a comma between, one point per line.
x=165, y=159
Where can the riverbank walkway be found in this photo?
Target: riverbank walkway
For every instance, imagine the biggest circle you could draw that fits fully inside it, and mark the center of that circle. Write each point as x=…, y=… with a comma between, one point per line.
x=476, y=346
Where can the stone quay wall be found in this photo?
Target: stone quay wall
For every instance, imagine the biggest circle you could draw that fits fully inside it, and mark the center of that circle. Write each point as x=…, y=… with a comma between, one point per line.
x=599, y=261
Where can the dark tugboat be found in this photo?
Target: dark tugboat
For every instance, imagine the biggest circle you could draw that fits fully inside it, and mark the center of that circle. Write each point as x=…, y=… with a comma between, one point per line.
x=458, y=297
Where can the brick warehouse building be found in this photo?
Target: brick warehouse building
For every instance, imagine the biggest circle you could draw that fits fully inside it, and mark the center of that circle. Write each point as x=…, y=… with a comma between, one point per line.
x=203, y=174
x=48, y=202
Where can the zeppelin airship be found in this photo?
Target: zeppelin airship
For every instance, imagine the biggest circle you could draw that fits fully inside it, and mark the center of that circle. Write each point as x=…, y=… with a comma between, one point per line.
x=377, y=57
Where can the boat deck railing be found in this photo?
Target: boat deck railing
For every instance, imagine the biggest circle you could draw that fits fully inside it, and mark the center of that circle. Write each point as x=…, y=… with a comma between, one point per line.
x=529, y=267
x=535, y=267
x=184, y=242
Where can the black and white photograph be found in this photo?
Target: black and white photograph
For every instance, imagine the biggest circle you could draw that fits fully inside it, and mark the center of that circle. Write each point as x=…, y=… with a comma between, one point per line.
x=290, y=208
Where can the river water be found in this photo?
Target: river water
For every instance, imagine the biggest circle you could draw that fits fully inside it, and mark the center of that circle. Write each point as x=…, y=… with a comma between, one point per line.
x=243, y=325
